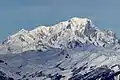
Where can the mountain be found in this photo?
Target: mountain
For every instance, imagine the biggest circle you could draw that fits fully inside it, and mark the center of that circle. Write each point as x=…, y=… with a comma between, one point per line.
x=70, y=50
x=68, y=34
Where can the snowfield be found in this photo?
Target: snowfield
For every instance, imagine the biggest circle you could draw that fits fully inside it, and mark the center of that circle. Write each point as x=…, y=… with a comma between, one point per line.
x=70, y=50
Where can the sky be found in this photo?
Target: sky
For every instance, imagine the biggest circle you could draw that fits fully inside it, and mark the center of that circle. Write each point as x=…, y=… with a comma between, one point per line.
x=28, y=14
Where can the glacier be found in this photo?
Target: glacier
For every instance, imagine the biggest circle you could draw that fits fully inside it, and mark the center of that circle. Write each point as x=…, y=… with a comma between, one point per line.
x=69, y=50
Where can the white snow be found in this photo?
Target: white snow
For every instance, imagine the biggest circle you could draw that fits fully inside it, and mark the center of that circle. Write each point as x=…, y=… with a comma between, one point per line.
x=59, y=35
x=57, y=46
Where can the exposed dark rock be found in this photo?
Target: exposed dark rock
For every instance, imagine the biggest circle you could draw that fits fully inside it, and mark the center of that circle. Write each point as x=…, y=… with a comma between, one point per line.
x=37, y=74
x=116, y=65
x=68, y=26
x=62, y=69
x=57, y=77
x=1, y=61
x=5, y=63
x=119, y=41
x=10, y=79
x=18, y=73
x=75, y=70
x=67, y=56
x=4, y=77
x=58, y=65
x=101, y=73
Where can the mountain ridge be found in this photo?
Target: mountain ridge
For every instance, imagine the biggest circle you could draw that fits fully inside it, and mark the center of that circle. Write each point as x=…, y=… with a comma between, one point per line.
x=70, y=50
x=77, y=30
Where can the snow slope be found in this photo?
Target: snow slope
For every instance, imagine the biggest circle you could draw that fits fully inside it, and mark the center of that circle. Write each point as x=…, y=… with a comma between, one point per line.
x=68, y=64
x=70, y=50
x=63, y=34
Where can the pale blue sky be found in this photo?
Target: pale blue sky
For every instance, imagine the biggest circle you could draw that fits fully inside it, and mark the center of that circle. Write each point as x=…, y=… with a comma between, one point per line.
x=17, y=14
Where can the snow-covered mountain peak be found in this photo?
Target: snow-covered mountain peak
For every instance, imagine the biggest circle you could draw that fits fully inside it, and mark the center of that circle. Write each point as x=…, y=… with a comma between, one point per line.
x=22, y=31
x=76, y=23
x=70, y=50
x=80, y=21
x=71, y=33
